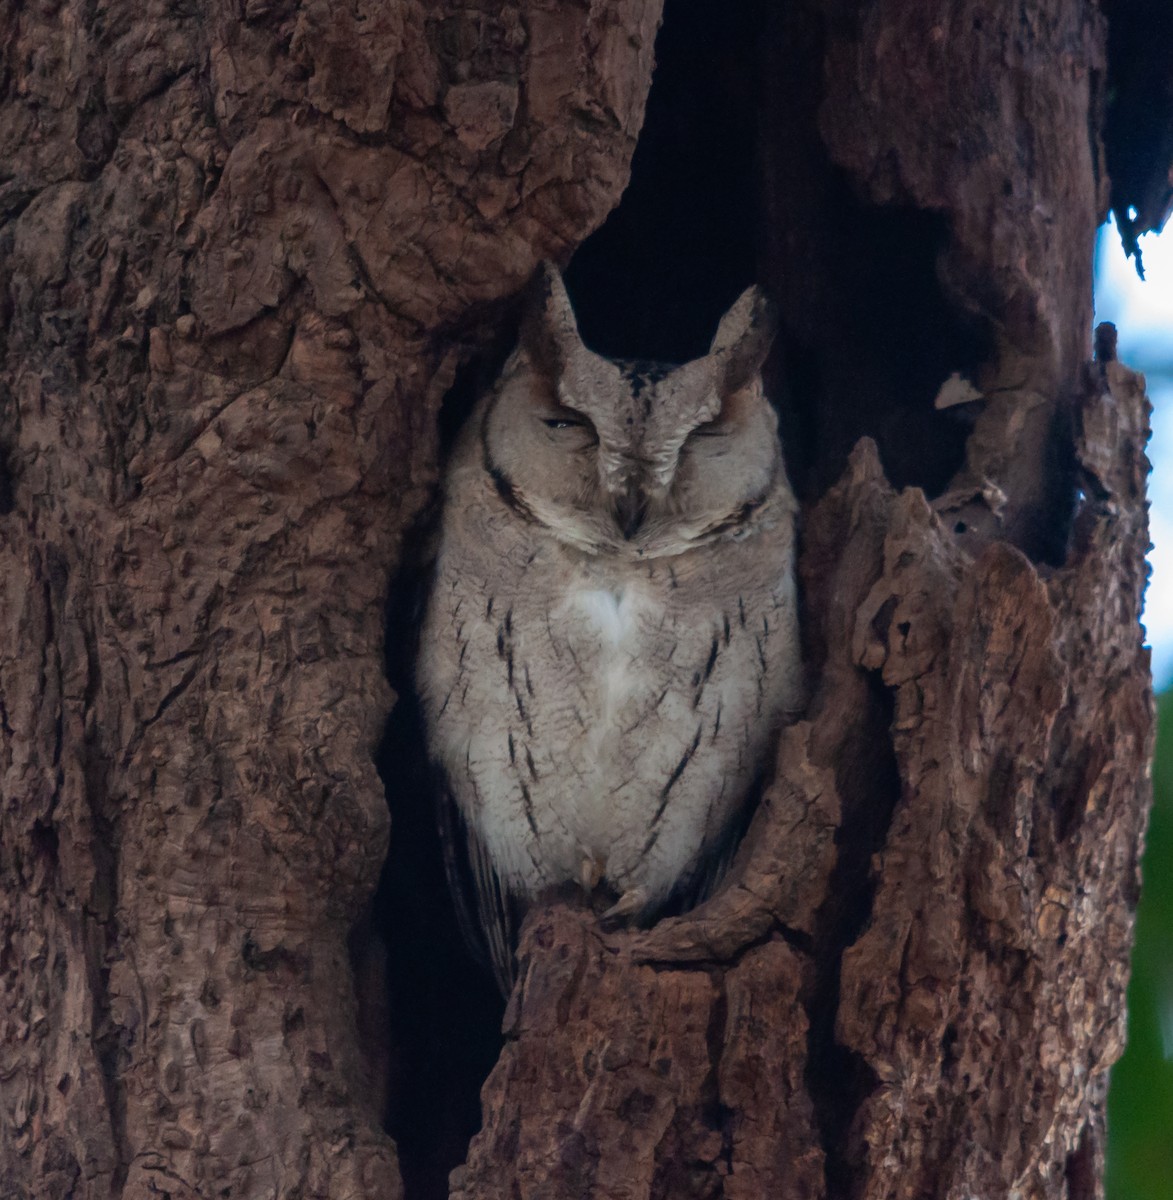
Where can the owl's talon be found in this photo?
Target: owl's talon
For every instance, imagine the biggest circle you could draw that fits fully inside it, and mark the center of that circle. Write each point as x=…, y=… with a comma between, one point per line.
x=592, y=872
x=630, y=904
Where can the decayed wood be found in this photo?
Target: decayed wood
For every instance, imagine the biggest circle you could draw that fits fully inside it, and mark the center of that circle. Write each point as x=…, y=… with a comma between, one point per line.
x=232, y=234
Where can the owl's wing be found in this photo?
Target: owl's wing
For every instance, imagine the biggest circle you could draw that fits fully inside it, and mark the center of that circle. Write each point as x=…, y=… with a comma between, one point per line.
x=487, y=912
x=711, y=872
x=714, y=866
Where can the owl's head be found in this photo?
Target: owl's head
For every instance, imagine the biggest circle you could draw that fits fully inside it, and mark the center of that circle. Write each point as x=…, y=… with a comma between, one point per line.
x=640, y=459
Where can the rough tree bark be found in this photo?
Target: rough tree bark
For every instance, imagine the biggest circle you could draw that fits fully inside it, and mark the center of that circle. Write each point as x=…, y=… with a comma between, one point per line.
x=244, y=250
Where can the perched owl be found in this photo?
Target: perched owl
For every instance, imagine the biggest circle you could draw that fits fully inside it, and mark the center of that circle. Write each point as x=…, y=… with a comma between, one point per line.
x=611, y=641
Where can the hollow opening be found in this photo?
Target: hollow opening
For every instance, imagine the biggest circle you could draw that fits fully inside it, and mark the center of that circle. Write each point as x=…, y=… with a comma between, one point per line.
x=867, y=779
x=730, y=185
x=443, y=1010
x=7, y=498
x=684, y=241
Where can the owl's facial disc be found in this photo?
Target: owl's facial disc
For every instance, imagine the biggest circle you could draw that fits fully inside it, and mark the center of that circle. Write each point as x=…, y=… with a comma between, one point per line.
x=634, y=459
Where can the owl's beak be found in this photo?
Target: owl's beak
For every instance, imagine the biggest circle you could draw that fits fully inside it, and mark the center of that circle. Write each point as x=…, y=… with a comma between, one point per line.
x=631, y=505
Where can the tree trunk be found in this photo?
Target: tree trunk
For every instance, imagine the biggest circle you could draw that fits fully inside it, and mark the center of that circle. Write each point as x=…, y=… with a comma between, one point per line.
x=247, y=252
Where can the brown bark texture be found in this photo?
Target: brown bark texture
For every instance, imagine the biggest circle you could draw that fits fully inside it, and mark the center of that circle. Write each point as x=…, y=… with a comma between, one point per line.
x=231, y=235
x=244, y=249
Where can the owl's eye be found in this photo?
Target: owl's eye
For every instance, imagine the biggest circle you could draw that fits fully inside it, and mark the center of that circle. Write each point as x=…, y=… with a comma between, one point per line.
x=568, y=418
x=713, y=428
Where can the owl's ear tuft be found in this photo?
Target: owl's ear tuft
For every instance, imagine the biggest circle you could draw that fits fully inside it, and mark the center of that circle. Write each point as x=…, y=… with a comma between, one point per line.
x=744, y=338
x=548, y=328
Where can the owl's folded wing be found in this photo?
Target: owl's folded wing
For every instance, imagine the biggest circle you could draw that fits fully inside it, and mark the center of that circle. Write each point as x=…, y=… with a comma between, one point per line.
x=487, y=912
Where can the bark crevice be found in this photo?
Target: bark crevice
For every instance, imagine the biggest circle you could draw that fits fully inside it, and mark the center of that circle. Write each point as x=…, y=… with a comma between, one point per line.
x=838, y=1078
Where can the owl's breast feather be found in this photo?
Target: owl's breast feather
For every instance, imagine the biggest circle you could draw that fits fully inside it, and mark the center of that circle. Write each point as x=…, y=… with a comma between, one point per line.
x=611, y=614
x=605, y=629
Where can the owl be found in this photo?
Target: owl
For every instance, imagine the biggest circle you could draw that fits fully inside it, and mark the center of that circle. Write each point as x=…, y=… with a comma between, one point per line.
x=611, y=638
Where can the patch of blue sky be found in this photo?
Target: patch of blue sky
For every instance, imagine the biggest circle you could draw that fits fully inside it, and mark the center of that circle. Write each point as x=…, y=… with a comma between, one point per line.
x=1142, y=312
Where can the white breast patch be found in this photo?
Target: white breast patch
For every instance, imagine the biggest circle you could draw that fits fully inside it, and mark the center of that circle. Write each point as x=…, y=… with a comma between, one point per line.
x=609, y=619
x=610, y=614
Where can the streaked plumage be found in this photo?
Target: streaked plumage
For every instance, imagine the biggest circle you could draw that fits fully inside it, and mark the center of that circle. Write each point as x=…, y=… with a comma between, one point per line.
x=611, y=640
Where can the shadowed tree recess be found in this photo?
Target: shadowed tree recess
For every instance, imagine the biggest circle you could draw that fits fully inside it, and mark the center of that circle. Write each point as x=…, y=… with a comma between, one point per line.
x=256, y=261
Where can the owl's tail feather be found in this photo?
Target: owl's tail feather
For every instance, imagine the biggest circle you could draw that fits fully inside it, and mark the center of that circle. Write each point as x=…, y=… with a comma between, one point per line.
x=488, y=913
